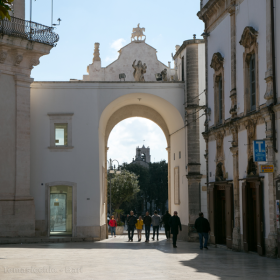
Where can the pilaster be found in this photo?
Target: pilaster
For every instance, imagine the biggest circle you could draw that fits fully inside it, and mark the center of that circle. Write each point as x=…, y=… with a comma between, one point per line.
x=236, y=238
x=233, y=94
x=269, y=72
x=271, y=241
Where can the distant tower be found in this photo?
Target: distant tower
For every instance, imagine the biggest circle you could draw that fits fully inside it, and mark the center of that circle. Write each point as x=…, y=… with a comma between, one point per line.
x=143, y=156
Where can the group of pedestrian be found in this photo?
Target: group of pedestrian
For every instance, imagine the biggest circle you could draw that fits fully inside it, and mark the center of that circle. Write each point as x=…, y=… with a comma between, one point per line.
x=172, y=226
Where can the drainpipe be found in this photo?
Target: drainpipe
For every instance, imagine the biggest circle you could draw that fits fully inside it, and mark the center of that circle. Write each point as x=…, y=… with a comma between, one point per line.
x=274, y=77
x=206, y=103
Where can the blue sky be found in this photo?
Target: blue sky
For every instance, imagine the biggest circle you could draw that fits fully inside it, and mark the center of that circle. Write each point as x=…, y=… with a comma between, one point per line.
x=110, y=23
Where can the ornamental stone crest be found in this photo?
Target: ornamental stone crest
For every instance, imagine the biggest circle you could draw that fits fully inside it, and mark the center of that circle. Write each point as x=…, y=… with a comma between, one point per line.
x=138, y=33
x=249, y=37
x=217, y=61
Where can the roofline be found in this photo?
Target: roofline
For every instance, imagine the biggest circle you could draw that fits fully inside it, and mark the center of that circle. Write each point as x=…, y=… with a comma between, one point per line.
x=188, y=42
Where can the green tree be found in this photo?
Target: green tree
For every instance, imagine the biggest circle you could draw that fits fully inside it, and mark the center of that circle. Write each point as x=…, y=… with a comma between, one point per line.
x=153, y=183
x=124, y=188
x=144, y=183
x=159, y=184
x=5, y=7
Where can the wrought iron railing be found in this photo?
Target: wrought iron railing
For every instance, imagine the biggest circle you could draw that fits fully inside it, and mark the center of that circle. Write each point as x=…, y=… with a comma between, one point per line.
x=28, y=30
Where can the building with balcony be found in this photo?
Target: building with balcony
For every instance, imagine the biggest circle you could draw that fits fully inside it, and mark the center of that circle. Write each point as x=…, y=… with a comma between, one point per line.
x=22, y=43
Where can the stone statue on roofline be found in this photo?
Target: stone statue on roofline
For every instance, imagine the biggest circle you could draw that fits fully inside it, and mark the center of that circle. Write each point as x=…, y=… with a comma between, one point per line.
x=164, y=75
x=139, y=71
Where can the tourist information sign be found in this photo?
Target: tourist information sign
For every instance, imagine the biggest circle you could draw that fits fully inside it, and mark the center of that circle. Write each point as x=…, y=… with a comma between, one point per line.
x=259, y=153
x=266, y=168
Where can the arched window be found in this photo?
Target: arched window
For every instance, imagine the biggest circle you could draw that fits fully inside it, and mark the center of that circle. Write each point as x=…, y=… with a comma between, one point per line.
x=217, y=64
x=220, y=90
x=252, y=69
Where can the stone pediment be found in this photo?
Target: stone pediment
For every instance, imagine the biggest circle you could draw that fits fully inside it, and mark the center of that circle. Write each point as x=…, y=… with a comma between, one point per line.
x=249, y=37
x=217, y=61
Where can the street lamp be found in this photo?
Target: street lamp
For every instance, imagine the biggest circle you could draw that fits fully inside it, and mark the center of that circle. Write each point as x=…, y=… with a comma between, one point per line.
x=113, y=170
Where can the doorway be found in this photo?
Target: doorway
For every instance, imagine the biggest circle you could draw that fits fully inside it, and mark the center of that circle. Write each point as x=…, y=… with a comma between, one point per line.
x=220, y=199
x=252, y=221
x=221, y=217
x=252, y=208
x=60, y=218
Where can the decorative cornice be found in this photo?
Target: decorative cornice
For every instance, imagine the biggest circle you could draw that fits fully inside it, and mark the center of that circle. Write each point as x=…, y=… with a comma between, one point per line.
x=217, y=61
x=249, y=37
x=3, y=55
x=34, y=62
x=188, y=42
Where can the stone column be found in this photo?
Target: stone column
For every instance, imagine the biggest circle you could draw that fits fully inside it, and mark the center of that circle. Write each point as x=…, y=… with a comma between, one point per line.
x=17, y=216
x=233, y=94
x=193, y=137
x=271, y=241
x=236, y=238
x=269, y=72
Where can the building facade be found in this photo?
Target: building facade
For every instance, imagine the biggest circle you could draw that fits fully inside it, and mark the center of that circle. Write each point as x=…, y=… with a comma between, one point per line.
x=242, y=80
x=70, y=126
x=20, y=50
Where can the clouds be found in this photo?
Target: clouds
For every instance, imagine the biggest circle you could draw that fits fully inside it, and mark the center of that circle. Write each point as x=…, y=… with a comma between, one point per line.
x=132, y=132
x=115, y=46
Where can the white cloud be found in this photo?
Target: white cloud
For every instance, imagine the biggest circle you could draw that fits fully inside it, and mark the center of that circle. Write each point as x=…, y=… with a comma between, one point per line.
x=118, y=44
x=115, y=46
x=132, y=132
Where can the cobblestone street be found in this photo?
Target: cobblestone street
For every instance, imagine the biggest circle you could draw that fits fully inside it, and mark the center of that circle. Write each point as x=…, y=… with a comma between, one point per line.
x=118, y=259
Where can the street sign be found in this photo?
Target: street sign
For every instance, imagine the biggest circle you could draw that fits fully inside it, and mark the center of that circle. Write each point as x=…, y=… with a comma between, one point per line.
x=259, y=153
x=266, y=168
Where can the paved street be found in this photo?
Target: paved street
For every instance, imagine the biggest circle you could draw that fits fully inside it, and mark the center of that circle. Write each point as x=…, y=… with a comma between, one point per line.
x=118, y=259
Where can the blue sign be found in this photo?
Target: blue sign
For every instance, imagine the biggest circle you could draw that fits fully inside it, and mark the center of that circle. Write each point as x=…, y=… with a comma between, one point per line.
x=259, y=153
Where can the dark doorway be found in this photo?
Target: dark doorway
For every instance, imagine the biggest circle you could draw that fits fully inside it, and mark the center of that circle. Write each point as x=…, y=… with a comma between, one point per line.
x=252, y=204
x=221, y=213
x=252, y=221
x=221, y=217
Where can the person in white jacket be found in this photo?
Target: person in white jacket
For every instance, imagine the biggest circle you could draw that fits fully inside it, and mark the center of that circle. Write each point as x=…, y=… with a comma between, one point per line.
x=156, y=223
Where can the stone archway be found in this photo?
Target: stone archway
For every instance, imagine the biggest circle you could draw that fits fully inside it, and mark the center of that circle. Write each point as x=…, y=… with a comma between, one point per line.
x=130, y=111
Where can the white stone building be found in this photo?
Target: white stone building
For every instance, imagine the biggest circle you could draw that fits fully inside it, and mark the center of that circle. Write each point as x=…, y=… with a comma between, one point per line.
x=54, y=141
x=242, y=79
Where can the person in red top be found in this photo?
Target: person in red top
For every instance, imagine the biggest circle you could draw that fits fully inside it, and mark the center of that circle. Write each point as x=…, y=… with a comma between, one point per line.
x=113, y=225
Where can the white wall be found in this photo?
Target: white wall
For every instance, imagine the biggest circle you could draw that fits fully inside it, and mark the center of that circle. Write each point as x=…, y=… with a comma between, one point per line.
x=219, y=41
x=92, y=105
x=212, y=160
x=228, y=157
x=251, y=13
x=178, y=144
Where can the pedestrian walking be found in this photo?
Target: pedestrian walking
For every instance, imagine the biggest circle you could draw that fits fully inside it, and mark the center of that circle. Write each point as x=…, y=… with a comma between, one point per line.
x=139, y=227
x=175, y=224
x=202, y=227
x=113, y=225
x=131, y=221
x=147, y=222
x=166, y=219
x=156, y=223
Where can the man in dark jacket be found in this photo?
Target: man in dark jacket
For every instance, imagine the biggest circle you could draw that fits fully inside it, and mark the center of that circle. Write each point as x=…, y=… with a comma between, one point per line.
x=131, y=221
x=165, y=219
x=175, y=223
x=147, y=222
x=202, y=227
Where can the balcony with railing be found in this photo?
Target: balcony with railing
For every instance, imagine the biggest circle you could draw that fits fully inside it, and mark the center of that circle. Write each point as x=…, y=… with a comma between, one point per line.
x=28, y=30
